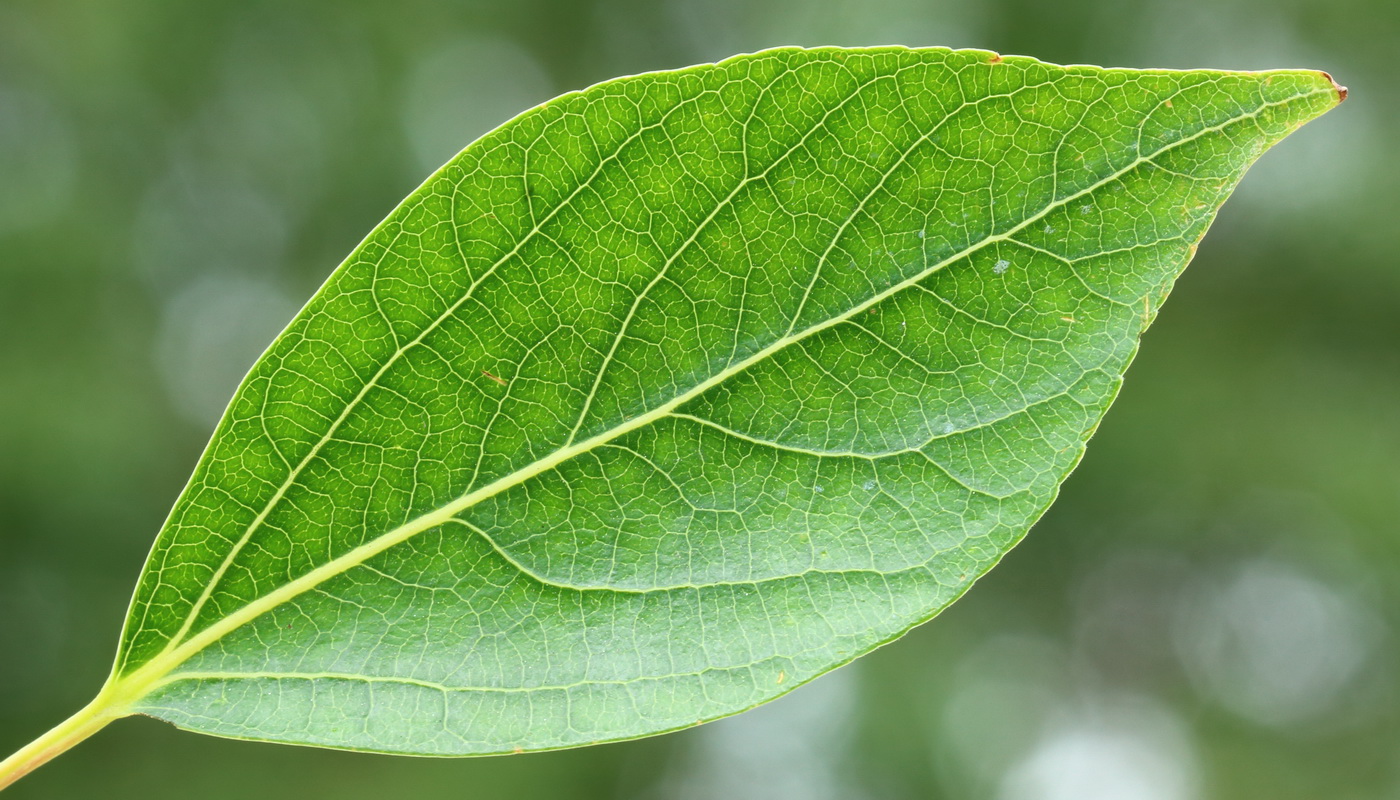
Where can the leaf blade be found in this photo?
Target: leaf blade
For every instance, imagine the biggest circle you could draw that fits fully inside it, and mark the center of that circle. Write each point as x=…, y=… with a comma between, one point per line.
x=748, y=400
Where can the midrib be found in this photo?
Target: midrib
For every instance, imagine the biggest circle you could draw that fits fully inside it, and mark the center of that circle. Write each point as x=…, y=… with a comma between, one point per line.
x=135, y=684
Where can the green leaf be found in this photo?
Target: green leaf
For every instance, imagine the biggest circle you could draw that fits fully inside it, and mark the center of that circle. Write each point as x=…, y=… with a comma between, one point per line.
x=672, y=394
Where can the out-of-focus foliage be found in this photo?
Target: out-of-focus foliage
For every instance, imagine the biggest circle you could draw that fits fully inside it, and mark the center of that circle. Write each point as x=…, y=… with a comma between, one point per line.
x=1209, y=611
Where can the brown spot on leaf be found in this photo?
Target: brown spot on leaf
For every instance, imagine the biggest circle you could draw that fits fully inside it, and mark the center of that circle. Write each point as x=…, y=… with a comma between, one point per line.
x=995, y=59
x=1341, y=90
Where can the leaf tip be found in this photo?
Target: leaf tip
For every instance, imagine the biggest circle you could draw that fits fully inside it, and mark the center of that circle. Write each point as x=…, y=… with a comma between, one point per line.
x=1340, y=89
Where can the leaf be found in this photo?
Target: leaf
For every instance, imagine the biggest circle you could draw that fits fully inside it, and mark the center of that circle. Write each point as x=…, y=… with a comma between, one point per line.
x=672, y=394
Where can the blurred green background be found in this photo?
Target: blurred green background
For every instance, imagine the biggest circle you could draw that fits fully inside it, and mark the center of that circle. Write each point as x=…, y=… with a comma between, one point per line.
x=1210, y=611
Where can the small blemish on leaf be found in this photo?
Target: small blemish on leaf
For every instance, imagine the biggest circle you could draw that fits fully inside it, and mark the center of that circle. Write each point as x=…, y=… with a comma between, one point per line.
x=1340, y=89
x=493, y=377
x=782, y=676
x=1001, y=266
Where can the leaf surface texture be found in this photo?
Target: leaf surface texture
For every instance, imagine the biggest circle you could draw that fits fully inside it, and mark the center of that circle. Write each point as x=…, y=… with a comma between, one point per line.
x=672, y=394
